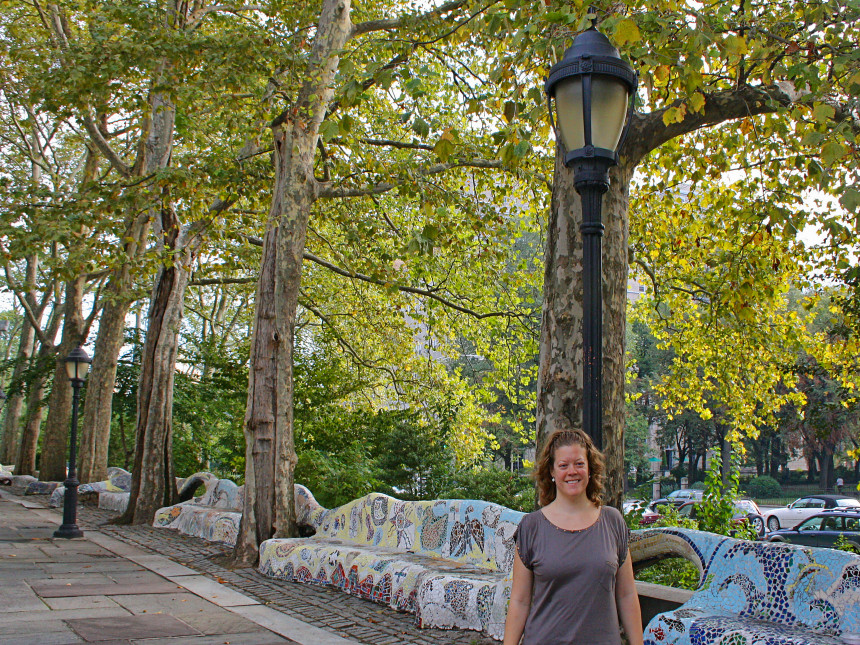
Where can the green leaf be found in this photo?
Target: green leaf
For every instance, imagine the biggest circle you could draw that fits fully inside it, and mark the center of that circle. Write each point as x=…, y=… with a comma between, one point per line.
x=444, y=148
x=697, y=102
x=420, y=127
x=823, y=113
x=736, y=45
x=850, y=200
x=833, y=152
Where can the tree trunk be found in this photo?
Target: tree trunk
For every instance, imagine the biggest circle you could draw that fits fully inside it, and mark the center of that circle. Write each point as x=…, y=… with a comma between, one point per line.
x=726, y=465
x=14, y=406
x=561, y=360
x=54, y=445
x=153, y=483
x=98, y=411
x=269, y=507
x=26, y=464
x=825, y=458
x=258, y=522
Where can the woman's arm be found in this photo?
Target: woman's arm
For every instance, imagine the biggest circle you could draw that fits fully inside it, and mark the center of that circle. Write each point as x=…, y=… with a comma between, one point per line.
x=521, y=602
x=627, y=601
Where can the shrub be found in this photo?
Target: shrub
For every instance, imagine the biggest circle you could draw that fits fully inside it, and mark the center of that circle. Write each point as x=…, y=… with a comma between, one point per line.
x=492, y=485
x=698, y=486
x=764, y=487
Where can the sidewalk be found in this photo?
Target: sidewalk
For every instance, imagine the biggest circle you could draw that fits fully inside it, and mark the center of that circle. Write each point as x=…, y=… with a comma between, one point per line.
x=140, y=585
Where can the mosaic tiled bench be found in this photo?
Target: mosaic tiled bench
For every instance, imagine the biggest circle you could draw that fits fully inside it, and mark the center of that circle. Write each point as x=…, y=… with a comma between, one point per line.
x=118, y=481
x=6, y=475
x=757, y=593
x=216, y=515
x=213, y=516
x=117, y=501
x=446, y=561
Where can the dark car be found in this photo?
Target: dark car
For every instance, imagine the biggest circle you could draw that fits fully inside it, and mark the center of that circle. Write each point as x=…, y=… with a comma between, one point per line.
x=824, y=529
x=677, y=498
x=746, y=510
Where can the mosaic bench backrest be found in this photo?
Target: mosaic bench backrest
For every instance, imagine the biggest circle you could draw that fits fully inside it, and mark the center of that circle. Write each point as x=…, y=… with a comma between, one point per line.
x=225, y=495
x=469, y=531
x=774, y=582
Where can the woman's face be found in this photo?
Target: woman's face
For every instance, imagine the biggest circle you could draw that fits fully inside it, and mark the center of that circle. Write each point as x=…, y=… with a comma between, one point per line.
x=570, y=470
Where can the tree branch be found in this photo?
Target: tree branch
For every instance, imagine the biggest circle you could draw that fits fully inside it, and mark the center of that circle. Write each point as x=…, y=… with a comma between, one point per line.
x=395, y=23
x=648, y=132
x=308, y=304
x=326, y=191
x=366, y=278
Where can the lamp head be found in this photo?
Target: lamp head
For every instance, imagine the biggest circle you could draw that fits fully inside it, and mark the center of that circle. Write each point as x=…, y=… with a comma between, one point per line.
x=593, y=89
x=78, y=364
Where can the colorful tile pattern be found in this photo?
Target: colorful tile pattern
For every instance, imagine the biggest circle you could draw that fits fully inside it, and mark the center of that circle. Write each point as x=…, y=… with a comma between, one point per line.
x=446, y=561
x=759, y=593
x=216, y=514
x=118, y=481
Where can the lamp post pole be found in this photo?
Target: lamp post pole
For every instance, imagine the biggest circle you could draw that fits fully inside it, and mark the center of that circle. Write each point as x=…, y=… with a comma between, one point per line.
x=77, y=364
x=593, y=90
x=591, y=228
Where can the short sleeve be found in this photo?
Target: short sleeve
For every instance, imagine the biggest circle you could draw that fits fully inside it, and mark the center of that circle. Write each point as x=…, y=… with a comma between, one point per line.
x=524, y=540
x=623, y=538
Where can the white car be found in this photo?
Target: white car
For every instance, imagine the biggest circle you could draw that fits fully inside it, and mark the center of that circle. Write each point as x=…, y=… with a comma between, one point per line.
x=790, y=516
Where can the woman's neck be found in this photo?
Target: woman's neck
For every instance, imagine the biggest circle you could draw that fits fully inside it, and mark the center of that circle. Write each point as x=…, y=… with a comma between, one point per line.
x=571, y=505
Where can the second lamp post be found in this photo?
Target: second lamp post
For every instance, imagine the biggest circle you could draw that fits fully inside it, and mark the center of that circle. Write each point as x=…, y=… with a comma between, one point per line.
x=77, y=366
x=593, y=90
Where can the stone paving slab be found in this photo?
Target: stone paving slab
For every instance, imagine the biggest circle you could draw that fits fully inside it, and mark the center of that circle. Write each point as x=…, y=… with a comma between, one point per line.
x=129, y=627
x=81, y=602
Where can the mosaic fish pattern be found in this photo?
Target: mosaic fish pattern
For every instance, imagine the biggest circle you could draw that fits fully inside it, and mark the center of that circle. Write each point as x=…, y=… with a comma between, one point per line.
x=759, y=593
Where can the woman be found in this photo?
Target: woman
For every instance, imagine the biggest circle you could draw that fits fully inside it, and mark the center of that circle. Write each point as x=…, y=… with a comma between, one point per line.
x=573, y=577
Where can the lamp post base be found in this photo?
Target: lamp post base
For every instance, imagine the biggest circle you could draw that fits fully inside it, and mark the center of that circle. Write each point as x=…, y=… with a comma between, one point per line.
x=68, y=531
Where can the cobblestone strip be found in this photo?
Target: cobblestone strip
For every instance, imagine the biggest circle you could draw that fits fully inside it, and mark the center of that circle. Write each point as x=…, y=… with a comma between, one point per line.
x=336, y=611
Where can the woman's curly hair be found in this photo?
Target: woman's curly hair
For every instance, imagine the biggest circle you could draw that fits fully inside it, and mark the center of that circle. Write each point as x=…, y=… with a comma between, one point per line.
x=566, y=435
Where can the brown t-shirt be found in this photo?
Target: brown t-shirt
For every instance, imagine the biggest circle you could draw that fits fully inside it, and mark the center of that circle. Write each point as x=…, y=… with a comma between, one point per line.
x=573, y=602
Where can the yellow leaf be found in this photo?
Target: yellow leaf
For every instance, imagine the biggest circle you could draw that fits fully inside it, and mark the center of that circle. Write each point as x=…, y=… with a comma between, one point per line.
x=736, y=45
x=627, y=32
x=661, y=73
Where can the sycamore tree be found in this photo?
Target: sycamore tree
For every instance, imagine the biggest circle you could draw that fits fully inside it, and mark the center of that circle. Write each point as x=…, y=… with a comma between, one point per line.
x=743, y=110
x=348, y=132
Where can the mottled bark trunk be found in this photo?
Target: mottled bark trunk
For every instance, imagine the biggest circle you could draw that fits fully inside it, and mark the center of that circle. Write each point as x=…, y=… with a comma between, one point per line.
x=95, y=426
x=153, y=477
x=258, y=522
x=154, y=155
x=269, y=488
x=14, y=407
x=26, y=464
x=561, y=358
x=54, y=445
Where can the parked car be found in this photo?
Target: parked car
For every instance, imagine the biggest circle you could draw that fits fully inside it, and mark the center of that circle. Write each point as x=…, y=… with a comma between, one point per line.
x=640, y=507
x=678, y=497
x=823, y=529
x=746, y=510
x=804, y=508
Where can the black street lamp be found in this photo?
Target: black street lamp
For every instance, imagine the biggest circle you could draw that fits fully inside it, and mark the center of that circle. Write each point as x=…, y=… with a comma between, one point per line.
x=77, y=366
x=593, y=90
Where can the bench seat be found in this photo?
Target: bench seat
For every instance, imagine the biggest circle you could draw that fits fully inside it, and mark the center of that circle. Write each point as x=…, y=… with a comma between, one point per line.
x=441, y=593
